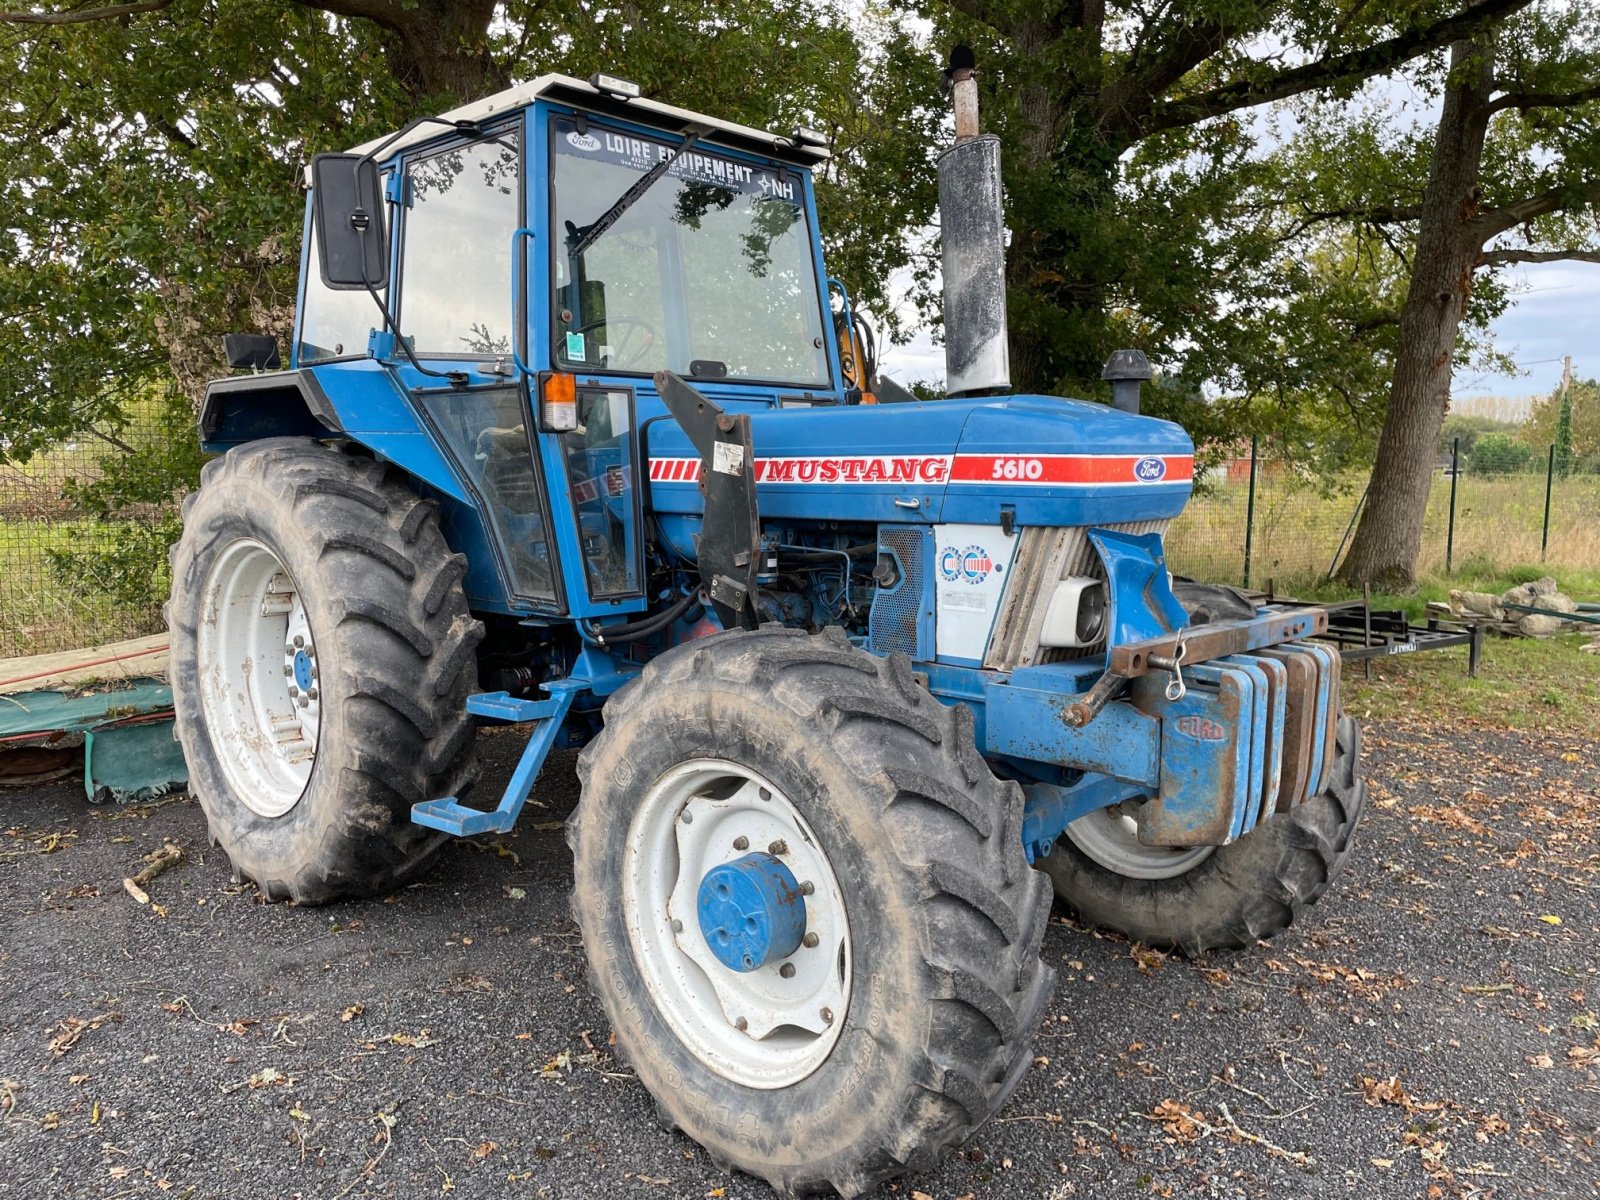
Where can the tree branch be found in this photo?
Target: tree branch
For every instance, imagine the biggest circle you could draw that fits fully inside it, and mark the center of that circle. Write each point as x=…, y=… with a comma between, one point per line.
x=1526, y=100
x=1354, y=65
x=1495, y=258
x=78, y=16
x=1519, y=212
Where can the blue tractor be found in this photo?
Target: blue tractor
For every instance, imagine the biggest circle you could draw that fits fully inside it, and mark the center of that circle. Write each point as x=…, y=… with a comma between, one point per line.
x=577, y=434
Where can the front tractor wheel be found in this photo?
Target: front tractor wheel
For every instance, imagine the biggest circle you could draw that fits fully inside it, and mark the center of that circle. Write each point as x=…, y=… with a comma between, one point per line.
x=1210, y=898
x=806, y=908
x=322, y=654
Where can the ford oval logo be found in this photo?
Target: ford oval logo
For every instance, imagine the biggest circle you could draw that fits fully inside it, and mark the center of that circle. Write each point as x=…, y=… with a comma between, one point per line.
x=1149, y=470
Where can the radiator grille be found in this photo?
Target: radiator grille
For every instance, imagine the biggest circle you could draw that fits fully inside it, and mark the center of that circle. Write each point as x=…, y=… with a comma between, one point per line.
x=894, y=623
x=1044, y=557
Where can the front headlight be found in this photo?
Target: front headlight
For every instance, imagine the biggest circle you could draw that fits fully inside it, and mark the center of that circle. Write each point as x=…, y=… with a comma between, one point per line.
x=1076, y=616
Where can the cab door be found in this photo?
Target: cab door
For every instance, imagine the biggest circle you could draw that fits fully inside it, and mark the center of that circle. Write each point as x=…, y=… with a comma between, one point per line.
x=459, y=203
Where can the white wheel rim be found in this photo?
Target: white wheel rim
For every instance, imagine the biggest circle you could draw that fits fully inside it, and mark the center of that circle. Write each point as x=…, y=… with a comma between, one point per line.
x=699, y=815
x=1111, y=838
x=258, y=677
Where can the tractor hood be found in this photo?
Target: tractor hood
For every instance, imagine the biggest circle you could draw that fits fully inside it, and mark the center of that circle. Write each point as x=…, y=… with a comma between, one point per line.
x=1050, y=461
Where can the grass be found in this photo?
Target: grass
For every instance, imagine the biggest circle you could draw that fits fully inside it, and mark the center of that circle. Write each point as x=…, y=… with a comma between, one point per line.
x=1528, y=684
x=40, y=612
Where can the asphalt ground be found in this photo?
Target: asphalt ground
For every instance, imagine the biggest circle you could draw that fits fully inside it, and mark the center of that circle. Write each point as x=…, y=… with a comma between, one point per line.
x=1429, y=1030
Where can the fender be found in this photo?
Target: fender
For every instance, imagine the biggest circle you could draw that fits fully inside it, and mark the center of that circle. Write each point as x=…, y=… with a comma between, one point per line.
x=245, y=408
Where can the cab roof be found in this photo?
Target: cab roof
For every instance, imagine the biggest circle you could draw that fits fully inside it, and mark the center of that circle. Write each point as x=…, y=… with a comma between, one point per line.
x=582, y=94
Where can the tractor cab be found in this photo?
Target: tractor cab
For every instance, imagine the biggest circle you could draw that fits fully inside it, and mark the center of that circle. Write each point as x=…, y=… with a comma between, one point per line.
x=517, y=270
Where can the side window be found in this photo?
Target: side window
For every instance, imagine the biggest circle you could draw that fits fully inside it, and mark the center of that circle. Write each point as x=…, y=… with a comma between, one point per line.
x=601, y=469
x=487, y=431
x=455, y=264
x=334, y=324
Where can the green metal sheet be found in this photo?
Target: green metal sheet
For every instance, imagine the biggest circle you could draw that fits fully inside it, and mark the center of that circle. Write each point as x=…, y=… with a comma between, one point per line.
x=128, y=751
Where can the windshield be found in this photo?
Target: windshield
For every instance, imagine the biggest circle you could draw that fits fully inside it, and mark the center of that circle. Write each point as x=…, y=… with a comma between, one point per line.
x=709, y=273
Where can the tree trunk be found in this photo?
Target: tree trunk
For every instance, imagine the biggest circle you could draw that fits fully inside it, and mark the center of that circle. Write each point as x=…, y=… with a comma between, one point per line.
x=1389, y=538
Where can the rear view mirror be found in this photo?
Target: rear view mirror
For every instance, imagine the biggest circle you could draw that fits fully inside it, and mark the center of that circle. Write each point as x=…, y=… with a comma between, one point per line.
x=347, y=204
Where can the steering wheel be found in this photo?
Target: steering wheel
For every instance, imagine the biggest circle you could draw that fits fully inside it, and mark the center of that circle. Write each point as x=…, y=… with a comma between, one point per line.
x=632, y=327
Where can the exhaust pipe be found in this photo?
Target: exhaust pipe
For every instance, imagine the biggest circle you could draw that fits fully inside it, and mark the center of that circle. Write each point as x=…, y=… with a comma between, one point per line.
x=977, y=357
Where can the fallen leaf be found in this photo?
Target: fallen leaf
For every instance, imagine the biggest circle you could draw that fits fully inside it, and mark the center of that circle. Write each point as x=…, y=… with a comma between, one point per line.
x=1550, y=919
x=351, y=1013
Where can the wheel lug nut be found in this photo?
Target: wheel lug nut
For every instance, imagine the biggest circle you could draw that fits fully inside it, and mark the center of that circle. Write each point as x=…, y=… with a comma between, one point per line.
x=787, y=970
x=807, y=888
x=677, y=925
x=305, y=702
x=313, y=694
x=810, y=941
x=688, y=817
x=827, y=1016
x=778, y=847
x=741, y=1024
x=741, y=843
x=299, y=641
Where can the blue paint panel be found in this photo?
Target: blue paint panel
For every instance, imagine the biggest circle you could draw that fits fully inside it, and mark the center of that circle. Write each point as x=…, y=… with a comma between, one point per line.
x=1049, y=809
x=1276, y=681
x=902, y=617
x=1257, y=731
x=923, y=445
x=1205, y=780
x=1142, y=603
x=1026, y=718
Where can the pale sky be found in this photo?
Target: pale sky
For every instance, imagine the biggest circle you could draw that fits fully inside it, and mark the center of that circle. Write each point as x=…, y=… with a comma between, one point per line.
x=1558, y=313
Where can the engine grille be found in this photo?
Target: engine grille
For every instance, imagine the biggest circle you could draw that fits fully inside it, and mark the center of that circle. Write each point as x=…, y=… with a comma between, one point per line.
x=893, y=622
x=1044, y=557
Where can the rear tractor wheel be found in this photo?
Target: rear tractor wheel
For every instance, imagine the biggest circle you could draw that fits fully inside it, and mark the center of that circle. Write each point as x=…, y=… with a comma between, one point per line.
x=1209, y=898
x=322, y=654
x=806, y=908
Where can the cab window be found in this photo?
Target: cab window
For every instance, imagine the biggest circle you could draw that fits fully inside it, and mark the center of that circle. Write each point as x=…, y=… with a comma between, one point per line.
x=462, y=205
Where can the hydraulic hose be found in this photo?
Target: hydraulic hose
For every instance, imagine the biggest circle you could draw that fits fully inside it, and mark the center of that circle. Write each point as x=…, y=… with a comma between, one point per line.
x=632, y=631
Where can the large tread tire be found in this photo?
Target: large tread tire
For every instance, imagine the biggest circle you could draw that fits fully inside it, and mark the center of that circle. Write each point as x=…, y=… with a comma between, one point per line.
x=1247, y=891
x=396, y=650
x=946, y=917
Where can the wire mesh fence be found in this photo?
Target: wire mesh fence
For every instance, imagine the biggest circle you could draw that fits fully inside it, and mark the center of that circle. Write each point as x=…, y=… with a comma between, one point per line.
x=84, y=526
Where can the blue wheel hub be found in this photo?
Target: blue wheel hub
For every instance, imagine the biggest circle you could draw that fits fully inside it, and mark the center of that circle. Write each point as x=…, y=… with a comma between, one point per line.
x=302, y=670
x=751, y=912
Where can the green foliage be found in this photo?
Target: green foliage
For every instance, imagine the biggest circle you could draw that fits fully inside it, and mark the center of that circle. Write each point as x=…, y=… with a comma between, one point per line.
x=1544, y=424
x=1468, y=428
x=136, y=495
x=1500, y=454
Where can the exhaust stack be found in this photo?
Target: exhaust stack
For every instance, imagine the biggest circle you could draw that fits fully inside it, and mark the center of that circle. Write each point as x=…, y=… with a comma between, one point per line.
x=977, y=357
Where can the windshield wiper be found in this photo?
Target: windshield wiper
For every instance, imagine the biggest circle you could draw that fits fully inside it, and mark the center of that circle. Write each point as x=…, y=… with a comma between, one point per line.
x=643, y=184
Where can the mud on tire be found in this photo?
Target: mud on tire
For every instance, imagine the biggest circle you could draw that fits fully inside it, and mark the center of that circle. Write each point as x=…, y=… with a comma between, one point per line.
x=945, y=915
x=395, y=650
x=1243, y=893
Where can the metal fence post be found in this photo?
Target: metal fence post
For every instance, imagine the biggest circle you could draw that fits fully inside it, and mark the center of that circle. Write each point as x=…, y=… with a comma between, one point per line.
x=1549, y=478
x=1250, y=513
x=1450, y=528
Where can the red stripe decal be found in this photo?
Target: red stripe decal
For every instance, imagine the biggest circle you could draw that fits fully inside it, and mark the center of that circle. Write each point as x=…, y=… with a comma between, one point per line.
x=1039, y=470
